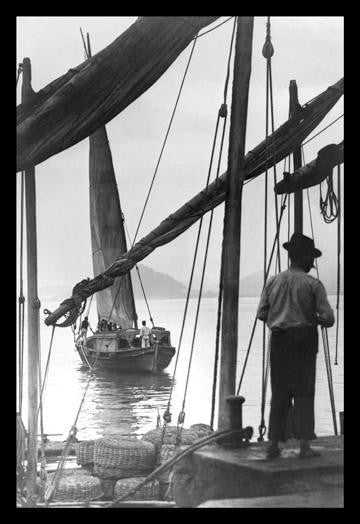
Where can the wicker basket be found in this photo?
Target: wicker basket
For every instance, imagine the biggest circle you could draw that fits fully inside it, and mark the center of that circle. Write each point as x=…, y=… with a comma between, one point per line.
x=118, y=457
x=76, y=484
x=85, y=452
x=149, y=491
x=202, y=430
x=155, y=436
x=166, y=452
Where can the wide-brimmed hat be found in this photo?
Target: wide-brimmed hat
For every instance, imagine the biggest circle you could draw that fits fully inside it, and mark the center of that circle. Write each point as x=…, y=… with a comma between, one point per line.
x=300, y=244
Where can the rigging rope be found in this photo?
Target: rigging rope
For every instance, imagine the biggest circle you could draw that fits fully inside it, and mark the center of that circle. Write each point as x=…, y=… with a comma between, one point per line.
x=43, y=474
x=217, y=342
x=51, y=489
x=21, y=295
x=338, y=265
x=222, y=113
x=213, y=29
x=139, y=277
x=323, y=329
x=268, y=51
x=165, y=140
x=283, y=206
x=329, y=206
x=19, y=71
x=322, y=130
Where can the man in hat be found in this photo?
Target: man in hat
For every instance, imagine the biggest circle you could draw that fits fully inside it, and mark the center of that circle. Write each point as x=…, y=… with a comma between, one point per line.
x=292, y=304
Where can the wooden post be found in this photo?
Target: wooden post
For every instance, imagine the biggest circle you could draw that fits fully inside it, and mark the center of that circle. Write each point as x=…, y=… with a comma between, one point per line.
x=298, y=195
x=33, y=307
x=232, y=219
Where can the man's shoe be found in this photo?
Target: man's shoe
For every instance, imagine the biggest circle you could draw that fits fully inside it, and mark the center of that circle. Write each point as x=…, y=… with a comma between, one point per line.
x=273, y=452
x=308, y=453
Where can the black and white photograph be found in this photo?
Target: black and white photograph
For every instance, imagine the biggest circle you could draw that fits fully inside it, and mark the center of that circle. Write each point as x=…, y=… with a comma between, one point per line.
x=179, y=262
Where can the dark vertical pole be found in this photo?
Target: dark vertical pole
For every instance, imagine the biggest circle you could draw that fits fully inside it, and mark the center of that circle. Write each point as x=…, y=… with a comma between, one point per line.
x=298, y=195
x=33, y=309
x=232, y=219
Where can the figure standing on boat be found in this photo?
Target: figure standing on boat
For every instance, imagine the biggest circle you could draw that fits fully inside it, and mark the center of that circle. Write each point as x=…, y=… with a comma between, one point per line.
x=145, y=333
x=83, y=329
x=293, y=304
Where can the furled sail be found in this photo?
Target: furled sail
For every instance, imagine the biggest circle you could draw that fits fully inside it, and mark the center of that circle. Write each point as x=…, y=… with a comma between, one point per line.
x=314, y=172
x=116, y=303
x=88, y=96
x=280, y=144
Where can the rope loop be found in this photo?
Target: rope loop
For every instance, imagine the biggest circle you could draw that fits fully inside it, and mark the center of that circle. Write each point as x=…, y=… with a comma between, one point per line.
x=268, y=49
x=21, y=299
x=262, y=431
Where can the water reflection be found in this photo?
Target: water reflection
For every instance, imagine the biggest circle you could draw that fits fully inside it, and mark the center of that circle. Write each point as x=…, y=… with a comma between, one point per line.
x=122, y=403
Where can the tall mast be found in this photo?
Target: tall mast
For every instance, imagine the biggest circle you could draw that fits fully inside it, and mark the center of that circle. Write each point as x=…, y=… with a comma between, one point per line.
x=298, y=195
x=232, y=219
x=33, y=306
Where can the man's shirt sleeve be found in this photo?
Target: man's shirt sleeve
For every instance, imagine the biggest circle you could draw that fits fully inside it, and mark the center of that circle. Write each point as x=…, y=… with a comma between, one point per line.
x=323, y=309
x=263, y=307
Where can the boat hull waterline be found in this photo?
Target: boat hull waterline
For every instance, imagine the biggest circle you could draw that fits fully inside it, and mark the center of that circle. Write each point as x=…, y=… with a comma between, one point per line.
x=154, y=358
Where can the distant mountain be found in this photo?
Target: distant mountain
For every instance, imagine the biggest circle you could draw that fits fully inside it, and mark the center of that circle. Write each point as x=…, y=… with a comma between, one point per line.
x=251, y=285
x=162, y=285
x=156, y=285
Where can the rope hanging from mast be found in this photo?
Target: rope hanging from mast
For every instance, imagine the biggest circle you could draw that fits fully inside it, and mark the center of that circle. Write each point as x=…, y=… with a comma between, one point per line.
x=338, y=265
x=323, y=329
x=268, y=52
x=223, y=113
x=21, y=295
x=282, y=208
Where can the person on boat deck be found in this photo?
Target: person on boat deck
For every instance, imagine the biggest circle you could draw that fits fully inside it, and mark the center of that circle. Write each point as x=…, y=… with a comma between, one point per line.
x=84, y=327
x=292, y=304
x=145, y=332
x=103, y=325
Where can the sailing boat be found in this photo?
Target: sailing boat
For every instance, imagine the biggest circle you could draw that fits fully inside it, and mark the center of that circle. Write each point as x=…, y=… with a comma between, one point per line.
x=116, y=344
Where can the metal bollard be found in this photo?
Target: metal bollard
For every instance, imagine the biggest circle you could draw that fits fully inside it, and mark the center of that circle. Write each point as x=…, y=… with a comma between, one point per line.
x=235, y=403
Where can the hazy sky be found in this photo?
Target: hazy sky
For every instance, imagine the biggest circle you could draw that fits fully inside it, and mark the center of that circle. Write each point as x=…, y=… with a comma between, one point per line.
x=308, y=49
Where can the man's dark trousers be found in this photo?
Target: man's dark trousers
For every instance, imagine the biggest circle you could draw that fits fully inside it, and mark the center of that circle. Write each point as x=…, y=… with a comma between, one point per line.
x=293, y=365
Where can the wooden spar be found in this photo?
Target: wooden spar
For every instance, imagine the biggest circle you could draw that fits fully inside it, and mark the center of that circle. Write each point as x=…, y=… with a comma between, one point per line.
x=33, y=309
x=232, y=219
x=298, y=195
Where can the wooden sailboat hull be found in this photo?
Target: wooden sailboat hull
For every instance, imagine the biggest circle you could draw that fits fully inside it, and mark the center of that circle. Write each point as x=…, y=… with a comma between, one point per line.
x=103, y=351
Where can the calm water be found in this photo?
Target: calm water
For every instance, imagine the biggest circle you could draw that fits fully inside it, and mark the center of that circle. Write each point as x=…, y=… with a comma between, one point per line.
x=129, y=403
